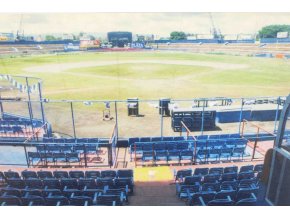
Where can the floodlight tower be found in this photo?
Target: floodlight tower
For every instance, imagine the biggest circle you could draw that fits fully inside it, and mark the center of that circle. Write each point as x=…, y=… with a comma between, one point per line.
x=214, y=31
x=20, y=32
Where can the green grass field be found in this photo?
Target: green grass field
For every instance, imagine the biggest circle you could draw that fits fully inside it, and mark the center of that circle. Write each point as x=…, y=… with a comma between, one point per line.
x=259, y=77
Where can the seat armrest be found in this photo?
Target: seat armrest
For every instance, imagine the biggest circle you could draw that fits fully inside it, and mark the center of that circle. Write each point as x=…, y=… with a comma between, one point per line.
x=114, y=203
x=86, y=203
x=95, y=198
x=3, y=204
x=58, y=203
x=253, y=196
x=30, y=203
x=201, y=201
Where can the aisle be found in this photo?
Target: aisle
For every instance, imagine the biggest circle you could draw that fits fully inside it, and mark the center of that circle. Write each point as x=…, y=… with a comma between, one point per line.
x=155, y=194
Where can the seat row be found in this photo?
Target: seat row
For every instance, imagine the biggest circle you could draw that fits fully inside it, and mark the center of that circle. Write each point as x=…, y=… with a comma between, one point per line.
x=75, y=174
x=55, y=158
x=182, y=138
x=182, y=145
x=72, y=140
x=179, y=175
x=67, y=148
x=244, y=197
x=85, y=199
x=200, y=155
x=215, y=154
x=184, y=189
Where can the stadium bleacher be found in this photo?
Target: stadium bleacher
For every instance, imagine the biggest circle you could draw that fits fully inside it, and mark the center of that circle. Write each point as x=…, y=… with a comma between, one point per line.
x=219, y=186
x=58, y=188
x=206, y=148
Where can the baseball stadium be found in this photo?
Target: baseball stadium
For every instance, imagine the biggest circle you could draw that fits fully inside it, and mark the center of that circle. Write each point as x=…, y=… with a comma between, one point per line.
x=141, y=121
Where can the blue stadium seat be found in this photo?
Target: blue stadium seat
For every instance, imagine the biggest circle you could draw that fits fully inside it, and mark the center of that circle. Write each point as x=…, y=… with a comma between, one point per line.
x=56, y=201
x=92, y=174
x=76, y=174
x=221, y=202
x=108, y=174
x=229, y=177
x=247, y=168
x=186, y=155
x=81, y=201
x=125, y=173
x=33, y=200
x=180, y=174
x=10, y=200
x=44, y=174
x=173, y=155
x=231, y=169
x=161, y=155
x=201, y=171
x=216, y=170
x=29, y=174
x=258, y=168
x=51, y=183
x=60, y=174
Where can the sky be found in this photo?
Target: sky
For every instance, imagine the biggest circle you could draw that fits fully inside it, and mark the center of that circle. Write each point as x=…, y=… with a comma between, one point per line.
x=160, y=24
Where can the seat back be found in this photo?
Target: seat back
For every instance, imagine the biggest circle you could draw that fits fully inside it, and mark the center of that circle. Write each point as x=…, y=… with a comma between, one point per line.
x=56, y=200
x=76, y=174
x=44, y=174
x=29, y=174
x=92, y=174
x=11, y=174
x=109, y=200
x=201, y=171
x=81, y=201
x=125, y=173
x=10, y=200
x=221, y=202
x=60, y=174
x=16, y=183
x=108, y=174
x=89, y=183
x=33, y=200
x=51, y=183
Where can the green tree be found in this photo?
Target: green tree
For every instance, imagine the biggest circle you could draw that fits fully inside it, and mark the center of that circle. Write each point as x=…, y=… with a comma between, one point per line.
x=177, y=35
x=272, y=30
x=49, y=38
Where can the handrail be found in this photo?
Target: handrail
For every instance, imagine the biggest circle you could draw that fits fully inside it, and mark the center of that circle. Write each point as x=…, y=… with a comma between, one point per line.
x=255, y=143
x=256, y=125
x=189, y=132
x=35, y=133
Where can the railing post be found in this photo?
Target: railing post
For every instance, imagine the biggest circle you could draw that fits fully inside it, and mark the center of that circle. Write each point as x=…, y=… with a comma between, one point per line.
x=26, y=156
x=85, y=156
x=241, y=115
x=255, y=144
x=29, y=104
x=195, y=151
x=202, y=119
x=73, y=118
x=135, y=158
x=243, y=126
x=277, y=113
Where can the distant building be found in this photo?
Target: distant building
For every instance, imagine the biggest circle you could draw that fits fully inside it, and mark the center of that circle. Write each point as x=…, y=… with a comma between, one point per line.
x=145, y=37
x=67, y=37
x=7, y=37
x=119, y=39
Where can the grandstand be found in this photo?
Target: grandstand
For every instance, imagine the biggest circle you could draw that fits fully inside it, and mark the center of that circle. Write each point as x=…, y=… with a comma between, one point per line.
x=191, y=168
x=219, y=151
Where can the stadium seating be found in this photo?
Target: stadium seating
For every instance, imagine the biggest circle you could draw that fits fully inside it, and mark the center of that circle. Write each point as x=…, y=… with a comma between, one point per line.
x=208, y=148
x=77, y=188
x=218, y=186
